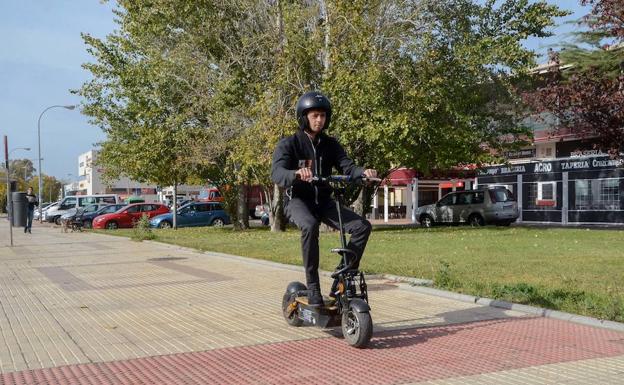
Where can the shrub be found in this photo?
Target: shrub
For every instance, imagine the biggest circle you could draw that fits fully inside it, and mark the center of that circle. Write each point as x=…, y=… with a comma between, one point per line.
x=142, y=230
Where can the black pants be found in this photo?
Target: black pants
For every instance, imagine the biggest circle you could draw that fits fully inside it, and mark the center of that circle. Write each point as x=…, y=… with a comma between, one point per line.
x=29, y=219
x=308, y=216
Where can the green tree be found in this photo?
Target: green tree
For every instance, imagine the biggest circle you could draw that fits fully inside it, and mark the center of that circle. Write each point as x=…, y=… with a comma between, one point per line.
x=144, y=106
x=584, y=88
x=207, y=88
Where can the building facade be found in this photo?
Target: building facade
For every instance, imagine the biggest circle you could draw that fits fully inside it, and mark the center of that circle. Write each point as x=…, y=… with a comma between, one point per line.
x=90, y=182
x=575, y=190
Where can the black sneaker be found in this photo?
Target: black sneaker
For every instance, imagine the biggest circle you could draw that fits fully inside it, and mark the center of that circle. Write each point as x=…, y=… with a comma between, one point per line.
x=315, y=298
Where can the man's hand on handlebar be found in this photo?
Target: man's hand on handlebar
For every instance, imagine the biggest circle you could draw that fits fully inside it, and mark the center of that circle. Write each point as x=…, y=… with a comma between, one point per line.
x=305, y=174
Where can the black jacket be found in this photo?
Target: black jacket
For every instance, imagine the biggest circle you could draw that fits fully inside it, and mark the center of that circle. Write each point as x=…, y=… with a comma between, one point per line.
x=298, y=151
x=32, y=201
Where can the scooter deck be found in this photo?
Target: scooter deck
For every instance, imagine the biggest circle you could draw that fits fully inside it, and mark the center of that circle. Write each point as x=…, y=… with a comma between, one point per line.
x=329, y=304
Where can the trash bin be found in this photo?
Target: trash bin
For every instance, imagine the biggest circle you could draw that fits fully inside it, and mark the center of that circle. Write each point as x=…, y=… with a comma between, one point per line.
x=20, y=209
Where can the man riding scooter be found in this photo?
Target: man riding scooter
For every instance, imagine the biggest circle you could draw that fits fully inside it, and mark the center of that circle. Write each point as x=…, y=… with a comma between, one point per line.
x=297, y=160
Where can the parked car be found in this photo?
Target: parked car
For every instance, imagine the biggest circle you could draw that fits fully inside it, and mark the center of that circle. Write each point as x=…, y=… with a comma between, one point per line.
x=53, y=214
x=495, y=205
x=264, y=219
x=44, y=207
x=212, y=195
x=68, y=220
x=88, y=216
x=194, y=214
x=261, y=210
x=127, y=216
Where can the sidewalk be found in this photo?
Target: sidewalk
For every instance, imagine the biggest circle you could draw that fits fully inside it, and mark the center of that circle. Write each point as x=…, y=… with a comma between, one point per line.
x=86, y=308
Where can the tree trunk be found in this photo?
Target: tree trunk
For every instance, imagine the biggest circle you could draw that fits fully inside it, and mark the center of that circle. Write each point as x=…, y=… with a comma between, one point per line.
x=243, y=211
x=175, y=205
x=232, y=202
x=363, y=201
x=276, y=216
x=326, y=38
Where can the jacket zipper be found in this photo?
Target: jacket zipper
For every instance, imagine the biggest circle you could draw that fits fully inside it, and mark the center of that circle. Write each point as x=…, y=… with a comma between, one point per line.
x=315, y=168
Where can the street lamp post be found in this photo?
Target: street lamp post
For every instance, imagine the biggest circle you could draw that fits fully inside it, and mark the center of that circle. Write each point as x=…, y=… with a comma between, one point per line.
x=8, y=180
x=39, y=143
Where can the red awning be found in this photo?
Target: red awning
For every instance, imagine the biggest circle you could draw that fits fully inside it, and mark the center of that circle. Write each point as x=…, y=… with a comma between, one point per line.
x=401, y=177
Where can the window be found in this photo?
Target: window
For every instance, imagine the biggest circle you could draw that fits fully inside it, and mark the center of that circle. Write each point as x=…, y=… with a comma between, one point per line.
x=215, y=207
x=464, y=198
x=69, y=202
x=146, y=208
x=479, y=197
x=609, y=194
x=133, y=209
x=582, y=199
x=546, y=191
x=541, y=196
x=501, y=195
x=108, y=199
x=598, y=194
x=202, y=208
x=86, y=201
x=91, y=209
x=109, y=209
x=448, y=200
x=546, y=194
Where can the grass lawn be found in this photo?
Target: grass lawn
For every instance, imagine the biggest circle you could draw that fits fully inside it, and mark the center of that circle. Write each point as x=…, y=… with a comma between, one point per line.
x=575, y=270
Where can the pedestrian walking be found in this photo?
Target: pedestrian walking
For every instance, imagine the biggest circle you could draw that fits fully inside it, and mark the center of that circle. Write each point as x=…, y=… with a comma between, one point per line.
x=32, y=203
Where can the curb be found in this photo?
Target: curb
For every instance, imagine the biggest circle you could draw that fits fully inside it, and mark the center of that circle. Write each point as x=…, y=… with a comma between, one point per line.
x=423, y=286
x=533, y=310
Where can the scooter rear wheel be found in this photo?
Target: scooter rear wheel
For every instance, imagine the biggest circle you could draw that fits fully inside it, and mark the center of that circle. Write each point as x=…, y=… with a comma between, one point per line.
x=291, y=316
x=288, y=302
x=357, y=328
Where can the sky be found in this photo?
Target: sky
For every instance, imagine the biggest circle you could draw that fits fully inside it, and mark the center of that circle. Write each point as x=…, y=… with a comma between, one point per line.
x=41, y=53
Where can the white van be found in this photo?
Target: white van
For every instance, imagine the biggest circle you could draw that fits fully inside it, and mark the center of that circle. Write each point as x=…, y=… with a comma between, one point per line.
x=53, y=213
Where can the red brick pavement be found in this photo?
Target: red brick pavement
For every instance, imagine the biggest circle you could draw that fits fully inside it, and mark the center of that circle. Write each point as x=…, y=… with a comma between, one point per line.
x=393, y=357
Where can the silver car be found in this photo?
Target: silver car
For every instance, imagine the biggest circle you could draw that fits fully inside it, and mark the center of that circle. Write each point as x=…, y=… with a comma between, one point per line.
x=494, y=205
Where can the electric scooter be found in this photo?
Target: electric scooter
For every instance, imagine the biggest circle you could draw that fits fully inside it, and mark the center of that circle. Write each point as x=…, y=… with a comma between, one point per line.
x=347, y=305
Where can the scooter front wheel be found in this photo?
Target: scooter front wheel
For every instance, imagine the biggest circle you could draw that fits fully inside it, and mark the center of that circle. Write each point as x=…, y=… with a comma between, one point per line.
x=357, y=328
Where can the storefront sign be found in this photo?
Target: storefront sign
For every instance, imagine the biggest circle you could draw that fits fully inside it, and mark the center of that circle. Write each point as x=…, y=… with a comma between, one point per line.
x=601, y=162
x=584, y=153
x=520, y=154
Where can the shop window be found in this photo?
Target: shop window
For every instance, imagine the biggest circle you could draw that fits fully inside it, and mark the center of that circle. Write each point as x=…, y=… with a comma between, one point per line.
x=610, y=194
x=542, y=196
x=598, y=194
x=582, y=199
x=546, y=194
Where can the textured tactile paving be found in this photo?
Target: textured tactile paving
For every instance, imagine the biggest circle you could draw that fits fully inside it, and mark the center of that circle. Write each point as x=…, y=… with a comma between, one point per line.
x=414, y=355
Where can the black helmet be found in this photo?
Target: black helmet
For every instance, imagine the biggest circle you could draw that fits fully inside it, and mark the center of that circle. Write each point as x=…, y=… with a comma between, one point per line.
x=312, y=101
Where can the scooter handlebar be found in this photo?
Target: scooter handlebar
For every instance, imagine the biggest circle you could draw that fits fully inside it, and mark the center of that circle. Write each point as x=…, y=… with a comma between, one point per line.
x=344, y=179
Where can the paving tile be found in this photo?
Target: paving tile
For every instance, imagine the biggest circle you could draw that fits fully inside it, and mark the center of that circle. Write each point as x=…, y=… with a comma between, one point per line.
x=83, y=308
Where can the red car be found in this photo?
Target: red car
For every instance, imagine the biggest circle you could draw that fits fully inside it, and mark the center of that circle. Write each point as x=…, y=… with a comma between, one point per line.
x=129, y=215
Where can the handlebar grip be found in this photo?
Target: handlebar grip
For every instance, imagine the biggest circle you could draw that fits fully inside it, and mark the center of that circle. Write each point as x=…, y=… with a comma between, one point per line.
x=332, y=178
